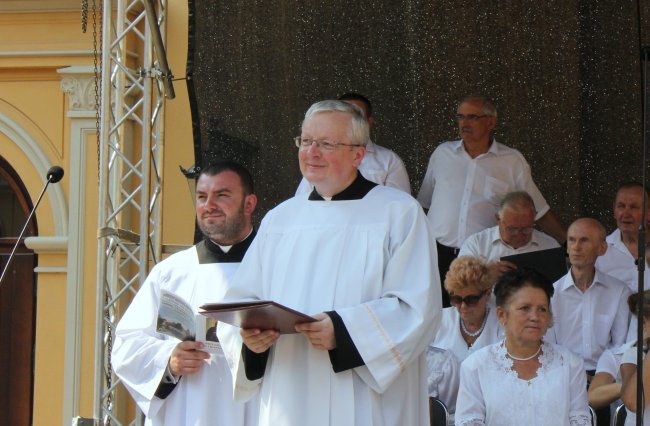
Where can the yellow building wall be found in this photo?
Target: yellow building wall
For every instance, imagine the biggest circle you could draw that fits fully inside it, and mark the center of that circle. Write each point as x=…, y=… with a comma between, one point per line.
x=30, y=93
x=178, y=135
x=25, y=103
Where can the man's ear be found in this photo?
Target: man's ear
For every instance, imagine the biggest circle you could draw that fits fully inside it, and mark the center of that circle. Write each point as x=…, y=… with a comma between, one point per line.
x=360, y=152
x=250, y=203
x=603, y=248
x=492, y=123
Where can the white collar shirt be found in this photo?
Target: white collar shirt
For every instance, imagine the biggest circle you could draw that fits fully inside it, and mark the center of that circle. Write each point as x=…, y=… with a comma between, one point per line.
x=450, y=338
x=629, y=357
x=379, y=165
x=590, y=322
x=619, y=263
x=610, y=361
x=463, y=193
x=488, y=244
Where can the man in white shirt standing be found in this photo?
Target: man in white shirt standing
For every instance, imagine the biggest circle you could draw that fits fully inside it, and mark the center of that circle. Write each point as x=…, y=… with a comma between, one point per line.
x=515, y=233
x=589, y=307
x=379, y=165
x=623, y=243
x=466, y=179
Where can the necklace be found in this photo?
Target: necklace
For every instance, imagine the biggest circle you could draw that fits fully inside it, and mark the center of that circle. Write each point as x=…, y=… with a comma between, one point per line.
x=477, y=332
x=516, y=358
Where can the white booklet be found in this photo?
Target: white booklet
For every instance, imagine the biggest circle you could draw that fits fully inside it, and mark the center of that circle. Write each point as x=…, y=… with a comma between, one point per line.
x=176, y=318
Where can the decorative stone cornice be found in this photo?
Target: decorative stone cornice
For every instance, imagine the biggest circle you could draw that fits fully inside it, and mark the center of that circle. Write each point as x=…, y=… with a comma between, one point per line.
x=79, y=83
x=47, y=244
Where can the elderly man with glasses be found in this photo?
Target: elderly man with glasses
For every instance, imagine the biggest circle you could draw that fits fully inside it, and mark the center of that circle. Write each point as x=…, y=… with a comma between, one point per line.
x=513, y=234
x=358, y=257
x=466, y=179
x=380, y=165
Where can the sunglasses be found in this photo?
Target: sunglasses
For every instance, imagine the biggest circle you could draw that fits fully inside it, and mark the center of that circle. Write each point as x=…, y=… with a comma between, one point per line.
x=470, y=300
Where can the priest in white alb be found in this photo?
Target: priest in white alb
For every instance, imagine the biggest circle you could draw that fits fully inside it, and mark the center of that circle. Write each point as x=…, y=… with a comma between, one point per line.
x=359, y=258
x=179, y=383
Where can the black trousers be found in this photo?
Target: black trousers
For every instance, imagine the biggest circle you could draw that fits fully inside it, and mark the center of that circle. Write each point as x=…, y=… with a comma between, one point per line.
x=446, y=255
x=603, y=415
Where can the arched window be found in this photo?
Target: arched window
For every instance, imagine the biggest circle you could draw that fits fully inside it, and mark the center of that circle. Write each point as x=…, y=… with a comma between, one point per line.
x=15, y=203
x=17, y=301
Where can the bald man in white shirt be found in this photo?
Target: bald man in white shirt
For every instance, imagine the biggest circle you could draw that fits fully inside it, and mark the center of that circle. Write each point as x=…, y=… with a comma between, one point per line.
x=590, y=310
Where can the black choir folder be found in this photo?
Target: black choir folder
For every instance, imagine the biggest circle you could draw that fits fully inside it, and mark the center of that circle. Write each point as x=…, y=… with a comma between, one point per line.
x=262, y=314
x=551, y=263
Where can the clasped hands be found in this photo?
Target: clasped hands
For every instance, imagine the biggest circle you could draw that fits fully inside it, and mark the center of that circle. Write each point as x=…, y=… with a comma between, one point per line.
x=319, y=333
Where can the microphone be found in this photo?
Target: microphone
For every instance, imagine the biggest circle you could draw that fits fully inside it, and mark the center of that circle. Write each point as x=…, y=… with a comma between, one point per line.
x=54, y=175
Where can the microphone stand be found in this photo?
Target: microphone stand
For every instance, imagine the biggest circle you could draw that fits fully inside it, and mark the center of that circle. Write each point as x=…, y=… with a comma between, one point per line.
x=640, y=262
x=50, y=177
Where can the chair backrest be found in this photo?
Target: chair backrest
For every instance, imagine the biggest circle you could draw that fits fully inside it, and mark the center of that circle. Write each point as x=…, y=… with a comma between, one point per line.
x=594, y=422
x=438, y=413
x=619, y=415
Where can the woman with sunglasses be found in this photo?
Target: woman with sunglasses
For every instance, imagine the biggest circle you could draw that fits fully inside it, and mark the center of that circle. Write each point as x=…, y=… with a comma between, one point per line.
x=522, y=379
x=470, y=323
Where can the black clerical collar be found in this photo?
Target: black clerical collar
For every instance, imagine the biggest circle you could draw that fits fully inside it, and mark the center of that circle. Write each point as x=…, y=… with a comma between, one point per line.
x=356, y=191
x=210, y=252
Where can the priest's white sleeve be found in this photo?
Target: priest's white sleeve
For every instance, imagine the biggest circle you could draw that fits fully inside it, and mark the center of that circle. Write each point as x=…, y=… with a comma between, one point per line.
x=231, y=343
x=140, y=355
x=393, y=331
x=229, y=337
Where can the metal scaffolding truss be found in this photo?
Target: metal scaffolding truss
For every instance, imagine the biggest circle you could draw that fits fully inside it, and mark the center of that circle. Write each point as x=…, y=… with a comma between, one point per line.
x=130, y=151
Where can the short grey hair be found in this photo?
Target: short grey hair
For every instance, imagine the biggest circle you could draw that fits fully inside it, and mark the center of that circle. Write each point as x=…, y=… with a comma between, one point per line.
x=359, y=132
x=489, y=108
x=516, y=200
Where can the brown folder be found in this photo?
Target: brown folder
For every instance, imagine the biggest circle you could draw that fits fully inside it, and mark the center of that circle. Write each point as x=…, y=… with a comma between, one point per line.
x=262, y=314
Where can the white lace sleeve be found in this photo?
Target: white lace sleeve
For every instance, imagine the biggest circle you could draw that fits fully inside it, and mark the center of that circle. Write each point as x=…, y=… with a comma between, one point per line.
x=470, y=405
x=578, y=410
x=470, y=422
x=580, y=420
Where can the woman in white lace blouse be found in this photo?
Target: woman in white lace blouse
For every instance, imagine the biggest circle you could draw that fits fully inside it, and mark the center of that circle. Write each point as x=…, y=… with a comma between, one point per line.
x=523, y=380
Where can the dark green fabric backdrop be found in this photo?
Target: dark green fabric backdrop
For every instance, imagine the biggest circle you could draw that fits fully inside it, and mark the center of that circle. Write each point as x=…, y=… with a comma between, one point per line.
x=565, y=76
